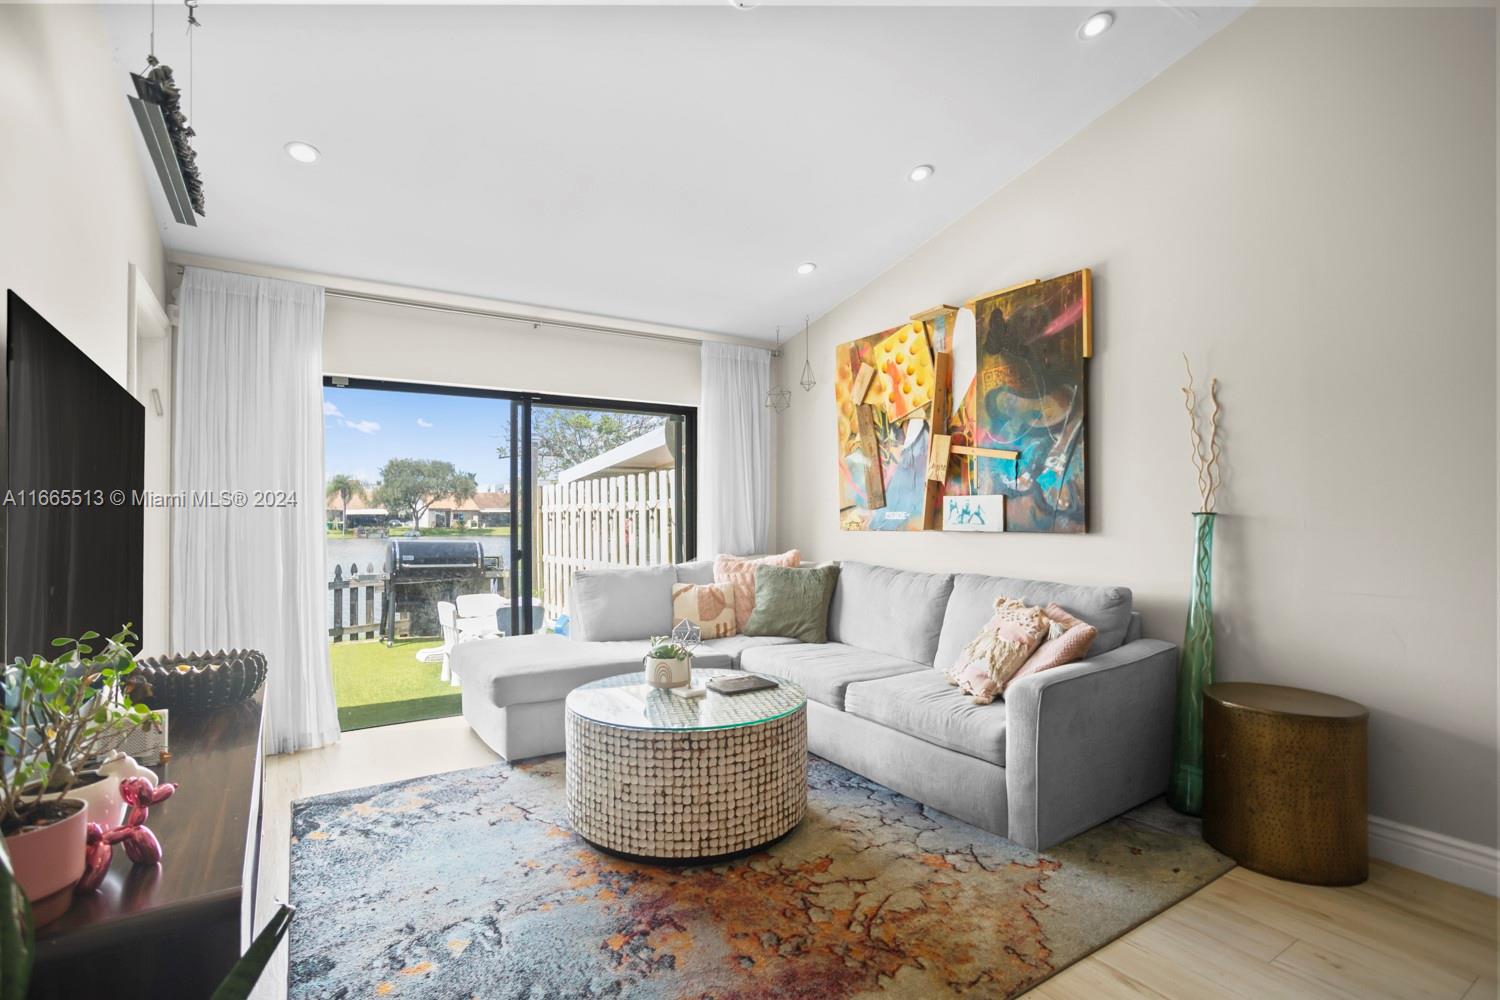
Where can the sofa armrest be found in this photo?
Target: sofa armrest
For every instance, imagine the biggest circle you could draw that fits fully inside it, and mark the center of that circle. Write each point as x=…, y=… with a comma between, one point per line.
x=1087, y=741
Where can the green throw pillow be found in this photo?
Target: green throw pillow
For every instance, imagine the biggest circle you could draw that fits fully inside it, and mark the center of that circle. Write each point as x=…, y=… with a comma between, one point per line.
x=792, y=602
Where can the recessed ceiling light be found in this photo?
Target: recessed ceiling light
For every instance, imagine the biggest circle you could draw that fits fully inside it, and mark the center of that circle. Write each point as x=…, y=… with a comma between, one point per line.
x=920, y=172
x=302, y=152
x=1097, y=24
x=806, y=267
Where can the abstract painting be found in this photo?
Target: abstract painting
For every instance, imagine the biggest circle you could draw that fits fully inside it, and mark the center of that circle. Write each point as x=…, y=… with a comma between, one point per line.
x=884, y=384
x=1030, y=397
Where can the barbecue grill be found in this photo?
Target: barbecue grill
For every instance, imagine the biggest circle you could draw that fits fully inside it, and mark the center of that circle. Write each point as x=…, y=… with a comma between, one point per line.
x=422, y=571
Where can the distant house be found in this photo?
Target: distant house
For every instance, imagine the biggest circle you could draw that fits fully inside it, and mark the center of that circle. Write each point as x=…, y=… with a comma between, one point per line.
x=361, y=513
x=485, y=509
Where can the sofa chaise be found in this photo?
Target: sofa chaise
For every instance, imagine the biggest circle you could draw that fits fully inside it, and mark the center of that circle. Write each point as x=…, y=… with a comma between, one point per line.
x=1065, y=750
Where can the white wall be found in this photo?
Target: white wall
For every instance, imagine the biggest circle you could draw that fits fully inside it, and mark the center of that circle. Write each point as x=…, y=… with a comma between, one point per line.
x=74, y=211
x=1306, y=205
x=403, y=343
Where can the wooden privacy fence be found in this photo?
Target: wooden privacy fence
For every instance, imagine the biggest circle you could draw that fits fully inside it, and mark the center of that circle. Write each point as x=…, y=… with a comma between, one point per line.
x=624, y=520
x=357, y=610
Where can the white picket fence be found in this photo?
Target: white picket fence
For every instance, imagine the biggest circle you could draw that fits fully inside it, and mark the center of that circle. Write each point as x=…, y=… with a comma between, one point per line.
x=625, y=520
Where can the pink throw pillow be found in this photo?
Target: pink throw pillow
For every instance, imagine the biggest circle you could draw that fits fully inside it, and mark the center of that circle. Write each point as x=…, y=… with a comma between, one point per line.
x=999, y=650
x=740, y=571
x=1072, y=642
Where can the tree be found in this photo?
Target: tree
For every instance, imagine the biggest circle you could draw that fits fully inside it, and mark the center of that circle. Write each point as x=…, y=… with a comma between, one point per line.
x=563, y=438
x=408, y=486
x=345, y=488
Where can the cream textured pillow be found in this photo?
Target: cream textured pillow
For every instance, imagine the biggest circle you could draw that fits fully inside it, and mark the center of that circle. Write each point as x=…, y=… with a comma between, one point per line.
x=741, y=572
x=710, y=606
x=1068, y=640
x=999, y=650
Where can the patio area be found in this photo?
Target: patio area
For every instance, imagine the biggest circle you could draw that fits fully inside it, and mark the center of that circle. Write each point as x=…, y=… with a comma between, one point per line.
x=377, y=685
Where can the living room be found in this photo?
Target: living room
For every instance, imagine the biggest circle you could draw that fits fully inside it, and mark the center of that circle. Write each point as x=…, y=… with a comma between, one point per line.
x=733, y=500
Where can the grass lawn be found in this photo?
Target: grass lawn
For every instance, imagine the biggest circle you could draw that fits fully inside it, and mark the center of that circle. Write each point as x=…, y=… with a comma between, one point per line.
x=378, y=686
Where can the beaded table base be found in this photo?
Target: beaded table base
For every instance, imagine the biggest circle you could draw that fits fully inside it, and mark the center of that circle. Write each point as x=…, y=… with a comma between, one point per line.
x=686, y=795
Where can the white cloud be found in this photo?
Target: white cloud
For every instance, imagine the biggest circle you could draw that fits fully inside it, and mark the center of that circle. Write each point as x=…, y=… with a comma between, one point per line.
x=329, y=410
x=363, y=426
x=423, y=423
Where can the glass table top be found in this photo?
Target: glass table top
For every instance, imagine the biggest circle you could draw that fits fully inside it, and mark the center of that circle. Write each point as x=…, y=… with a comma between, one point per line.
x=629, y=702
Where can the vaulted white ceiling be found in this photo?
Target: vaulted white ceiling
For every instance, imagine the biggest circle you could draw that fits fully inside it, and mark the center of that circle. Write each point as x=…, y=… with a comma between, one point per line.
x=666, y=164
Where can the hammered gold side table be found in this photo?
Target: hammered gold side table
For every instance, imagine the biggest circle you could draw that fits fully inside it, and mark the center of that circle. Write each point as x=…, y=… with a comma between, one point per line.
x=1285, y=782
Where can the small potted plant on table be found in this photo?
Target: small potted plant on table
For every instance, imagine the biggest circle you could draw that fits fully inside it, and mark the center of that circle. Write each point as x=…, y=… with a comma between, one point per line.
x=669, y=664
x=57, y=716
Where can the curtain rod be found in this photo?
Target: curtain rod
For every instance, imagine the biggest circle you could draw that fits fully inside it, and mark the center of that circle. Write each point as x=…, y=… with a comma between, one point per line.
x=535, y=321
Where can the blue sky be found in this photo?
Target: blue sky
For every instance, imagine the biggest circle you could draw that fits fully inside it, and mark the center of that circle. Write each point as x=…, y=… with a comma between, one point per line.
x=362, y=428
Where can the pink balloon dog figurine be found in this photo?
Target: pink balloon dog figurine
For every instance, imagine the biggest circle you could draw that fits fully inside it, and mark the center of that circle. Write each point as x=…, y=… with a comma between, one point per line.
x=141, y=845
x=141, y=795
x=96, y=858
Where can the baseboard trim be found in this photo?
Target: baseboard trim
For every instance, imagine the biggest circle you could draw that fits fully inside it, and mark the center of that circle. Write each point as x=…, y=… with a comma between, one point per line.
x=1448, y=858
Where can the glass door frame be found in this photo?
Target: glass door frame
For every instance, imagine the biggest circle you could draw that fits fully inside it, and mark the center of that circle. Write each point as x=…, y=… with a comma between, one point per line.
x=522, y=473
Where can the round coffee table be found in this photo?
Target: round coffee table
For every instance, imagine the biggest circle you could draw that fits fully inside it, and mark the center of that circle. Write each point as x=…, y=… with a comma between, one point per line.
x=654, y=776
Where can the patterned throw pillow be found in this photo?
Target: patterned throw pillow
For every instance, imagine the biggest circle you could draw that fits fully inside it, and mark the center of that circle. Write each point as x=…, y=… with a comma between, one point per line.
x=1068, y=640
x=999, y=650
x=741, y=572
x=710, y=606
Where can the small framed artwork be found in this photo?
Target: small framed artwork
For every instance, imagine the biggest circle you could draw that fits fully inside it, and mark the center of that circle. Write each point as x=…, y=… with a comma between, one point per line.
x=974, y=513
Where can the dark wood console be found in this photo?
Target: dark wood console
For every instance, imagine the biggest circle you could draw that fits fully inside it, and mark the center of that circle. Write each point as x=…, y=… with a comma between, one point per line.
x=176, y=929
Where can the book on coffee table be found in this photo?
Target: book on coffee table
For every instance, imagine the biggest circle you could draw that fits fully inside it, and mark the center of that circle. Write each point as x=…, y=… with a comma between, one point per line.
x=741, y=685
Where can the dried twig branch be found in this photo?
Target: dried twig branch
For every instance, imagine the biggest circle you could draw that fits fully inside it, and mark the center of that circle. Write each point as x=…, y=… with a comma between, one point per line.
x=1206, y=458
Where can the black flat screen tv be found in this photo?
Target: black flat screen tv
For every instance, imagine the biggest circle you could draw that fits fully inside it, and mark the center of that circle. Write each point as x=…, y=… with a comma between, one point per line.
x=71, y=473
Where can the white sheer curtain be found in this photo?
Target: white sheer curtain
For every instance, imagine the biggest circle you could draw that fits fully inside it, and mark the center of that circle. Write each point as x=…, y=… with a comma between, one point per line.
x=734, y=451
x=249, y=421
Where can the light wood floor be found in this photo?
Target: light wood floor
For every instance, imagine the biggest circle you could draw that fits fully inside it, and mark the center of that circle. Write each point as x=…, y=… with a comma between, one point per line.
x=1401, y=934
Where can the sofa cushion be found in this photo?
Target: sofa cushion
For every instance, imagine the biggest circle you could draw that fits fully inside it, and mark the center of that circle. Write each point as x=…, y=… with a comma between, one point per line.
x=544, y=667
x=891, y=611
x=611, y=604
x=824, y=670
x=1000, y=649
x=698, y=571
x=973, y=602
x=734, y=645
x=710, y=606
x=740, y=571
x=926, y=706
x=792, y=601
x=1069, y=641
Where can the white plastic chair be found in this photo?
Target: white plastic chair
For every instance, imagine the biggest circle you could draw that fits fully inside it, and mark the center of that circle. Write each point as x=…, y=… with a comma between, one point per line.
x=448, y=625
x=479, y=615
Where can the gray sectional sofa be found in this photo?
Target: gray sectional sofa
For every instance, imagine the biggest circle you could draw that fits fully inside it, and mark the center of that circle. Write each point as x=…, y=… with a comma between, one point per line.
x=1065, y=750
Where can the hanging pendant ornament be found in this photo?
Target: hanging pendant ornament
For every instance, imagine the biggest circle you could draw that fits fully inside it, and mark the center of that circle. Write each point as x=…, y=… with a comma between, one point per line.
x=778, y=398
x=807, y=380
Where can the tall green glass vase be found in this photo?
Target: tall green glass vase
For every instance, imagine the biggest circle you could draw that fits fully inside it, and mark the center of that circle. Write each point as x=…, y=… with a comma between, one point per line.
x=1196, y=672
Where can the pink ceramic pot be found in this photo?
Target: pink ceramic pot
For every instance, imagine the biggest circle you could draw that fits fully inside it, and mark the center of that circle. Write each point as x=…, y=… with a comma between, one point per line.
x=49, y=859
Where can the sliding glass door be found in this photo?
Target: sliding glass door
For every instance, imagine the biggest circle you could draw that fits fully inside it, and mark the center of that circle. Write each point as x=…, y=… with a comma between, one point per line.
x=455, y=515
x=609, y=486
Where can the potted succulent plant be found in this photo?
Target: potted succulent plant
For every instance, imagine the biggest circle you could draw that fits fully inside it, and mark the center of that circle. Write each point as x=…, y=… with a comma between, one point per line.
x=669, y=664
x=57, y=717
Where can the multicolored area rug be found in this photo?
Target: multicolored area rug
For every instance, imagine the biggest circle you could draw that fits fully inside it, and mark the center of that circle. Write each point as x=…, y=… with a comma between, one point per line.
x=471, y=884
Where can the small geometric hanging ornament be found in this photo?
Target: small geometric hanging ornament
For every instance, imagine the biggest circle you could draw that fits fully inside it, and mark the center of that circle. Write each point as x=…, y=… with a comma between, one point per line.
x=778, y=398
x=690, y=634
x=807, y=381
